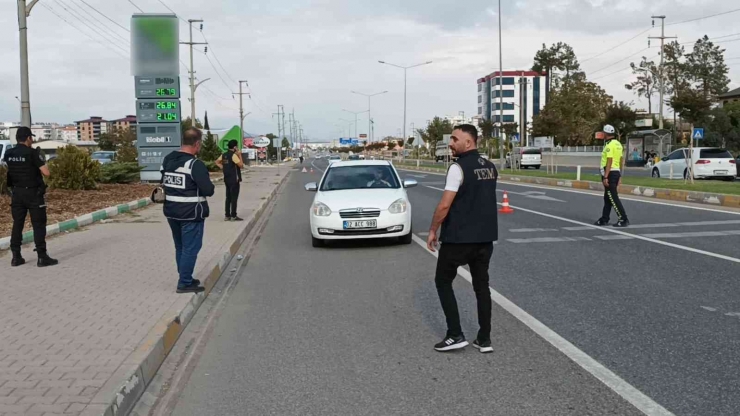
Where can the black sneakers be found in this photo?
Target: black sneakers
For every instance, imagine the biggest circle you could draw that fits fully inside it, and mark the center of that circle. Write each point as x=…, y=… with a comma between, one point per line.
x=601, y=222
x=17, y=260
x=227, y=219
x=450, y=343
x=622, y=224
x=46, y=261
x=237, y=219
x=483, y=346
x=191, y=289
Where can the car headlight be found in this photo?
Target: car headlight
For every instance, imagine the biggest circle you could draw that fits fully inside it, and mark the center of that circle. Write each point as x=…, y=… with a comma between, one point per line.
x=321, y=210
x=398, y=207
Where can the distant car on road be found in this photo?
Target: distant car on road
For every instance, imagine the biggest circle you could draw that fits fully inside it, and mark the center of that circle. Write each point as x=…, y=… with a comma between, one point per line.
x=708, y=163
x=333, y=158
x=104, y=157
x=359, y=200
x=524, y=157
x=353, y=157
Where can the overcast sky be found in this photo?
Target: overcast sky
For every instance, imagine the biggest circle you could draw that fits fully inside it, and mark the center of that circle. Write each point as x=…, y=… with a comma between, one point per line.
x=308, y=55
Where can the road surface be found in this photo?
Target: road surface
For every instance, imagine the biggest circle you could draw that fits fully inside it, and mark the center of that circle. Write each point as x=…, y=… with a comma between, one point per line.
x=349, y=329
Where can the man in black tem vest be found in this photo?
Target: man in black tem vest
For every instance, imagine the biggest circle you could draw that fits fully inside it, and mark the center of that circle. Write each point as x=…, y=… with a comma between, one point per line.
x=467, y=214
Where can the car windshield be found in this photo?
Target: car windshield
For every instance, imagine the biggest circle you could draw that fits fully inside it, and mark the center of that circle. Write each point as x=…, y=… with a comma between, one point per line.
x=714, y=154
x=102, y=155
x=360, y=177
x=532, y=152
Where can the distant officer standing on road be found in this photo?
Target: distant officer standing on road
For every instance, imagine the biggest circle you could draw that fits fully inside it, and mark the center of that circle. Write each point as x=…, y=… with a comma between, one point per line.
x=187, y=184
x=25, y=167
x=232, y=164
x=469, y=219
x=612, y=163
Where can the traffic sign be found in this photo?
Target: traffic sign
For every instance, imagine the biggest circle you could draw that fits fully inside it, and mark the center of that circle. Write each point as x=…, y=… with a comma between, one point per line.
x=698, y=133
x=262, y=142
x=276, y=142
x=515, y=137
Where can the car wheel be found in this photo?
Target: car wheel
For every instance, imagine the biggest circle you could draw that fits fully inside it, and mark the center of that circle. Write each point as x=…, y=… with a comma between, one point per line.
x=316, y=242
x=728, y=179
x=537, y=167
x=406, y=239
x=656, y=173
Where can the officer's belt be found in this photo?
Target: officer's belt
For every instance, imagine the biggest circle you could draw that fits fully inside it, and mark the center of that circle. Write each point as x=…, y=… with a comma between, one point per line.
x=173, y=198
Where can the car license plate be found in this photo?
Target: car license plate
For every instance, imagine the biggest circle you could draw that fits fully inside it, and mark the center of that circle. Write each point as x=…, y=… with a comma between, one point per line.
x=360, y=224
x=720, y=172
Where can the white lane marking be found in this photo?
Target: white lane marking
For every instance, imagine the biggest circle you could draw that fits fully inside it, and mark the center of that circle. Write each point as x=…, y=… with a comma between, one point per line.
x=418, y=176
x=612, y=237
x=312, y=164
x=733, y=314
x=593, y=193
x=694, y=234
x=424, y=234
x=637, y=236
x=546, y=240
x=710, y=309
x=533, y=195
x=638, y=399
x=666, y=225
x=578, y=228
x=531, y=230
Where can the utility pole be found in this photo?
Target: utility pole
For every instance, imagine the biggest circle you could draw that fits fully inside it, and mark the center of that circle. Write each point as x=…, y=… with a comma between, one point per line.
x=662, y=38
x=501, y=88
x=193, y=85
x=23, y=13
x=241, y=110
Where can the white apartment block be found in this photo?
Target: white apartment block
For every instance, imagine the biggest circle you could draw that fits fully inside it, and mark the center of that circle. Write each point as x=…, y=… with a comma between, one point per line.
x=524, y=96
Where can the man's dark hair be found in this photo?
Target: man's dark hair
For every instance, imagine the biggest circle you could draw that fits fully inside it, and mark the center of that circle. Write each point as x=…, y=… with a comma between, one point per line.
x=470, y=129
x=191, y=136
x=233, y=144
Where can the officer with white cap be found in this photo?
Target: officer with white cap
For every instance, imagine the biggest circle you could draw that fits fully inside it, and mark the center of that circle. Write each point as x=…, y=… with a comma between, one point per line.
x=612, y=163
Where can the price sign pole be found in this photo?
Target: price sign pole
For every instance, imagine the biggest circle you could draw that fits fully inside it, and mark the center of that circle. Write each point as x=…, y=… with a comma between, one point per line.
x=155, y=66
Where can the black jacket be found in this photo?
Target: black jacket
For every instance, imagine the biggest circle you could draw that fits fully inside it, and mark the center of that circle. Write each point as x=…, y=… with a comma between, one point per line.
x=187, y=184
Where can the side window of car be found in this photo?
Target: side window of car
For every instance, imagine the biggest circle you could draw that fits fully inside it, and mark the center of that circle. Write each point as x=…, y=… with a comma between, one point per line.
x=678, y=154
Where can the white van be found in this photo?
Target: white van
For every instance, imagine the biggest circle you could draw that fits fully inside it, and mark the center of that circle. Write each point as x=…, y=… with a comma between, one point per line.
x=442, y=152
x=4, y=147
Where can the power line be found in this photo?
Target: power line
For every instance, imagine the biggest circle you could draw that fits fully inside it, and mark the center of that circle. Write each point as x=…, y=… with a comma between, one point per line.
x=712, y=39
x=217, y=73
x=90, y=27
x=134, y=4
x=615, y=47
x=705, y=17
x=168, y=8
x=112, y=21
x=216, y=57
x=81, y=31
x=100, y=24
x=619, y=61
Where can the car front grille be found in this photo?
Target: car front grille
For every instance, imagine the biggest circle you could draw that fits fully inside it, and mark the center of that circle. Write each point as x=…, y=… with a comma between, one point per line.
x=359, y=213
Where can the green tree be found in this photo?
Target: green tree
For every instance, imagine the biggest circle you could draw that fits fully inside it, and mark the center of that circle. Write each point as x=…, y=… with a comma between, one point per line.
x=210, y=151
x=559, y=56
x=647, y=82
x=285, y=143
x=187, y=123
x=271, y=150
x=707, y=69
x=122, y=141
x=620, y=115
x=435, y=131
x=206, y=126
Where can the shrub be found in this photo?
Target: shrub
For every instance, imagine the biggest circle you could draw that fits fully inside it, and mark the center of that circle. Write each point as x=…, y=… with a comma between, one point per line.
x=73, y=169
x=120, y=173
x=3, y=179
x=127, y=153
x=212, y=166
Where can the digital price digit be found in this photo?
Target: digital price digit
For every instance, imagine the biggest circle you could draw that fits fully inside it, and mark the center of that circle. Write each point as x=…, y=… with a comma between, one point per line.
x=166, y=117
x=166, y=92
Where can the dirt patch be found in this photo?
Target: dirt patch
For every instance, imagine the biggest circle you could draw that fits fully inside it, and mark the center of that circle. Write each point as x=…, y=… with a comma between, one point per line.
x=65, y=205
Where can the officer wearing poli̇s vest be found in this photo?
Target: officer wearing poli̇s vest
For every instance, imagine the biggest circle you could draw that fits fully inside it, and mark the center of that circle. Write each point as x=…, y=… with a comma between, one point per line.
x=612, y=163
x=231, y=162
x=187, y=184
x=468, y=215
x=25, y=169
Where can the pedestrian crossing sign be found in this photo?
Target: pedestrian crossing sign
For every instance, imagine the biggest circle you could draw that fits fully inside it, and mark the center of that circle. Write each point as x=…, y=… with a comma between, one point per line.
x=698, y=133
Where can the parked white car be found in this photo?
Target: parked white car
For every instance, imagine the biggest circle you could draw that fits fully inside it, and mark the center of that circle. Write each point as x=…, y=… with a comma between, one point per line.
x=4, y=147
x=708, y=163
x=524, y=157
x=359, y=200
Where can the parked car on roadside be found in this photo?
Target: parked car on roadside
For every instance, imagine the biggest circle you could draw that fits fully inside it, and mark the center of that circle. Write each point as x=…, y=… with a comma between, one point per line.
x=707, y=162
x=104, y=157
x=4, y=147
x=524, y=157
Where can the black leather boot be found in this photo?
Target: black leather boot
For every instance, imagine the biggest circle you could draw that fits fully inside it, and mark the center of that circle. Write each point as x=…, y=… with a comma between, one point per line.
x=45, y=260
x=18, y=260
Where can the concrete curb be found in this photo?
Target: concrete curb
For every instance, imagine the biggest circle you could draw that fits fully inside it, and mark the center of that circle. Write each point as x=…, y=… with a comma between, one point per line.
x=118, y=398
x=706, y=198
x=87, y=219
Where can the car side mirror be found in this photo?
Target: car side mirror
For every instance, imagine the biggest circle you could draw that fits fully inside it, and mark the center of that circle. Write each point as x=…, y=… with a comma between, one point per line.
x=410, y=183
x=311, y=187
x=665, y=159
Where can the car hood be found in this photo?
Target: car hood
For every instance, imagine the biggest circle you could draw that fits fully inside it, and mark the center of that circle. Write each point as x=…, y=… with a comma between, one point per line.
x=360, y=198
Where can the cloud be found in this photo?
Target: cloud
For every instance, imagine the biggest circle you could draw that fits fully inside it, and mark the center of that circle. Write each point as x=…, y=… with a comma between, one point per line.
x=309, y=55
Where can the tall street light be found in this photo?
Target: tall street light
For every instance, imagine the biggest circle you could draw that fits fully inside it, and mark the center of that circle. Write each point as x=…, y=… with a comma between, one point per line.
x=23, y=12
x=369, y=115
x=356, y=113
x=349, y=126
x=405, y=68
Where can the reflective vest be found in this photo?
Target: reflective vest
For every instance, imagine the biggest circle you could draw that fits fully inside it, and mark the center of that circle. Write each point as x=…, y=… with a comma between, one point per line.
x=183, y=201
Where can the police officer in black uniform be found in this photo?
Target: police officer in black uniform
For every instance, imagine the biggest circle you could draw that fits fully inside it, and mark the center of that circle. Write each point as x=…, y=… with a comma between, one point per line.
x=232, y=164
x=25, y=167
x=468, y=216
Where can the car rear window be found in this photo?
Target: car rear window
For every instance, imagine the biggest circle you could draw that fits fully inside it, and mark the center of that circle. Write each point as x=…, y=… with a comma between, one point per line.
x=532, y=152
x=714, y=154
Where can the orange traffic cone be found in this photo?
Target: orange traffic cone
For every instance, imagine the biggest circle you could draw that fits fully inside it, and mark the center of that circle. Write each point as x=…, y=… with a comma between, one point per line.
x=505, y=208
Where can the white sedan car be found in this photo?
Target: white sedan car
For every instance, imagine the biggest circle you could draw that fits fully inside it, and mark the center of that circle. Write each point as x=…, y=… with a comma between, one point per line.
x=360, y=199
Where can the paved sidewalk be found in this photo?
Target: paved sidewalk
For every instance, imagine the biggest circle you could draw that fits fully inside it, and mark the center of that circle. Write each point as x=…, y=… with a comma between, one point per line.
x=74, y=335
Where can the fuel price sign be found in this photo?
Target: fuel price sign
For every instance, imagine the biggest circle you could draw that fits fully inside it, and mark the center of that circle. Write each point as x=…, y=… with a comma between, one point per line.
x=158, y=111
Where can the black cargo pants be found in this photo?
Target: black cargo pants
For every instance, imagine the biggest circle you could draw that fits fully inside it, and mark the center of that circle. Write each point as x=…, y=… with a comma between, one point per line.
x=27, y=200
